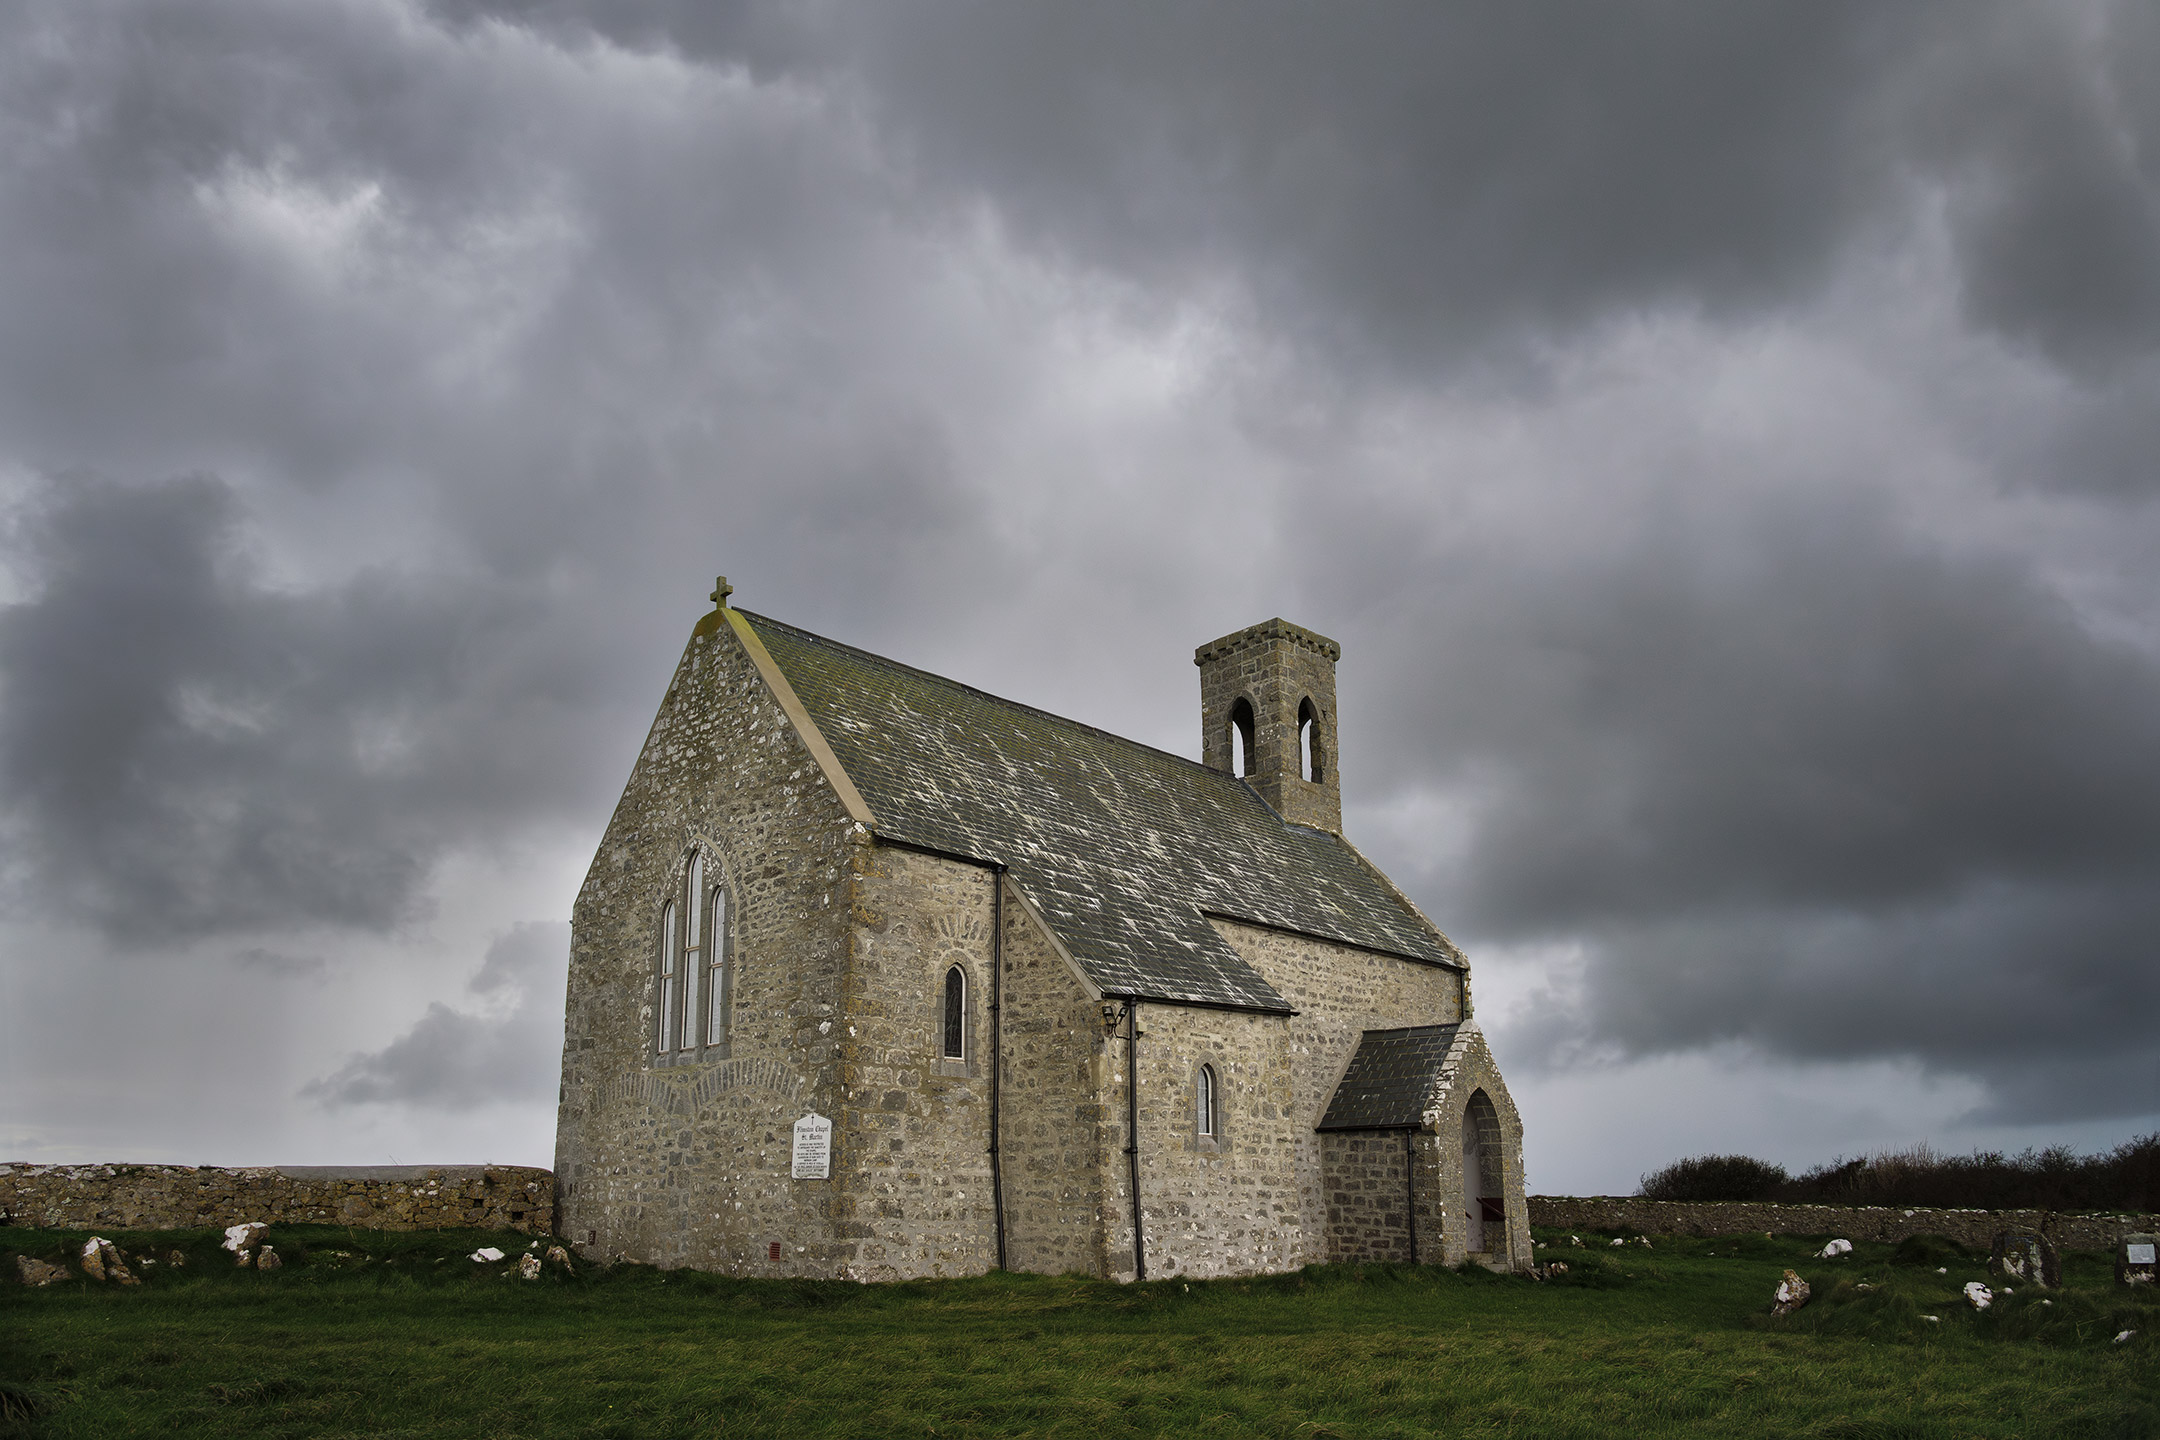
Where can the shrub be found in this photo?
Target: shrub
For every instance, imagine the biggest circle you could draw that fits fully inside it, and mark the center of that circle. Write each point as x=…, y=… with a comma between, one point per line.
x=2125, y=1178
x=1714, y=1177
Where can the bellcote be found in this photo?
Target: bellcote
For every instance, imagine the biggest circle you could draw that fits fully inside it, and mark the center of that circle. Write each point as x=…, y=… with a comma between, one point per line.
x=1267, y=715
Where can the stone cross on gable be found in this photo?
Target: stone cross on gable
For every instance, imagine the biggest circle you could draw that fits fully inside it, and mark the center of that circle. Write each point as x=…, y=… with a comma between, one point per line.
x=721, y=590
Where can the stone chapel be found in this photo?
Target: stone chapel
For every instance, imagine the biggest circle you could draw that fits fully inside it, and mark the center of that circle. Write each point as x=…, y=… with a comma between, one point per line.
x=877, y=976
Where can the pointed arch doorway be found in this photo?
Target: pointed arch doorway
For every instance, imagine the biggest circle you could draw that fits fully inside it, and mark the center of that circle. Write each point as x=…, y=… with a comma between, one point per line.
x=1482, y=1207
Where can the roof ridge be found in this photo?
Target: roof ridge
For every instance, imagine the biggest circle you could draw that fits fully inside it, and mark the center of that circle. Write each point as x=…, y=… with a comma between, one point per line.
x=981, y=693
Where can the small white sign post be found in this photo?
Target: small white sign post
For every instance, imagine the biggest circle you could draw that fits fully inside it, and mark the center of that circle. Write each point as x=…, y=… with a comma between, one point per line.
x=813, y=1147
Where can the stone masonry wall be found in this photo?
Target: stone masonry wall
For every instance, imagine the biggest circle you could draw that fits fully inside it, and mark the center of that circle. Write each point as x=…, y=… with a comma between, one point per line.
x=1367, y=1196
x=913, y=1138
x=1053, y=1107
x=1340, y=993
x=186, y=1197
x=684, y=1159
x=1229, y=1206
x=1972, y=1228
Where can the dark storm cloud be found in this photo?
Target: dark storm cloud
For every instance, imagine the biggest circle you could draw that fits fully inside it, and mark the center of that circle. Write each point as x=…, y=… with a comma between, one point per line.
x=1812, y=782
x=1779, y=707
x=452, y=1059
x=186, y=750
x=1427, y=179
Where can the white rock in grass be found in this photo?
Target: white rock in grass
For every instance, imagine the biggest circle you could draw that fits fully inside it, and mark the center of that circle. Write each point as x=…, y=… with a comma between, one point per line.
x=2124, y=1338
x=1618, y=1243
x=529, y=1266
x=487, y=1254
x=267, y=1259
x=1932, y=1319
x=1792, y=1293
x=1979, y=1295
x=1942, y=1269
x=1836, y=1248
x=243, y=1237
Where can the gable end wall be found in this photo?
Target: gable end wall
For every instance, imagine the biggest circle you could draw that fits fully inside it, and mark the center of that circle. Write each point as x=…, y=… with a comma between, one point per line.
x=686, y=1162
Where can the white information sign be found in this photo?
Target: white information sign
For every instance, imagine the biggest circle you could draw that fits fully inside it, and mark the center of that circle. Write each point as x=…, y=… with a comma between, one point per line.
x=2138, y=1254
x=813, y=1147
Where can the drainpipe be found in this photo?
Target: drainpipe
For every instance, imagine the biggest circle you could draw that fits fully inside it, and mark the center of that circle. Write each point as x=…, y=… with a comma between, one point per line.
x=997, y=1052
x=1132, y=1132
x=1409, y=1180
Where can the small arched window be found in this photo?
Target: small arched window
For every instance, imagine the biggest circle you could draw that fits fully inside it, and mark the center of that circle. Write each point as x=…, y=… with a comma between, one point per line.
x=1312, y=760
x=665, y=1001
x=1241, y=737
x=956, y=1015
x=1207, y=1111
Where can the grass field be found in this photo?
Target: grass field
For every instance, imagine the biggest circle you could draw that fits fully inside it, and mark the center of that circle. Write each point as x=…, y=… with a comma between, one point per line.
x=372, y=1334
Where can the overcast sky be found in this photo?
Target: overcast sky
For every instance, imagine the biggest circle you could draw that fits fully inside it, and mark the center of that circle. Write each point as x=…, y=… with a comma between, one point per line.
x=1724, y=439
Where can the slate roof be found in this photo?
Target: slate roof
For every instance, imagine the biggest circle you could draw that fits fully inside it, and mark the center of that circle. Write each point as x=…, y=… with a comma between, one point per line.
x=1123, y=848
x=1388, y=1079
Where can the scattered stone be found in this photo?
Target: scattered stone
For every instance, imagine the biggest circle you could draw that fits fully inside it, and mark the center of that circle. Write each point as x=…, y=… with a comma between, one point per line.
x=100, y=1261
x=243, y=1237
x=528, y=1266
x=1942, y=1269
x=1932, y=1319
x=2124, y=1337
x=1978, y=1295
x=487, y=1254
x=558, y=1256
x=243, y=1258
x=1792, y=1293
x=1558, y=1267
x=2025, y=1255
x=38, y=1272
x=1617, y=1242
x=175, y=1259
x=267, y=1259
x=2047, y=1302
x=1863, y=1287
x=1643, y=1241
x=1836, y=1248
x=1576, y=1241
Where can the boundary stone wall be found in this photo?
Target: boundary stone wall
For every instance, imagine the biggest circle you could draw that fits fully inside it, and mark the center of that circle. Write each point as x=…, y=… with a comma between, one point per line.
x=1972, y=1228
x=185, y=1197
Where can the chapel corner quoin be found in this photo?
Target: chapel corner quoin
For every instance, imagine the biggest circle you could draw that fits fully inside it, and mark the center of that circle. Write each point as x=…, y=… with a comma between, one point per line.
x=877, y=976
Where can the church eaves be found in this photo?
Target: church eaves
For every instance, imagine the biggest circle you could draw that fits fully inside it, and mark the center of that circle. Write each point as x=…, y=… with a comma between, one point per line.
x=1124, y=850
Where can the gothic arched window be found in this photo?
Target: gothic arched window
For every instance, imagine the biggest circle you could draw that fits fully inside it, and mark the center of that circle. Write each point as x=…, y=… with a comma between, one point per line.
x=1207, y=1107
x=718, y=948
x=693, y=966
x=665, y=1001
